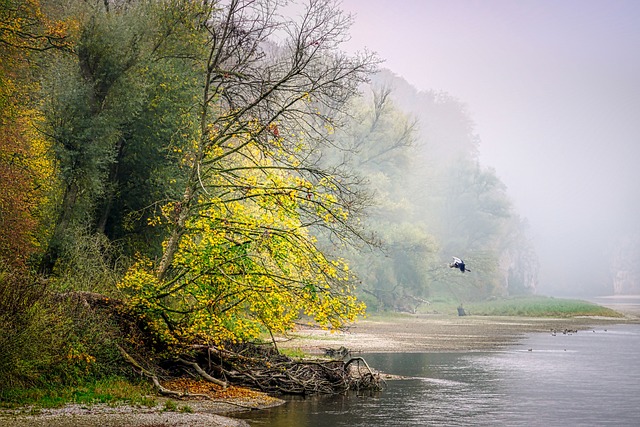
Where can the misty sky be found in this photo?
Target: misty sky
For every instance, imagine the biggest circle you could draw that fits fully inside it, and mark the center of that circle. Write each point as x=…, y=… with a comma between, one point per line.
x=554, y=89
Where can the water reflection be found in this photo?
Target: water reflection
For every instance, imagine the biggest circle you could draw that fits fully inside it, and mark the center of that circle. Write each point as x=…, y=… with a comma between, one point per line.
x=588, y=379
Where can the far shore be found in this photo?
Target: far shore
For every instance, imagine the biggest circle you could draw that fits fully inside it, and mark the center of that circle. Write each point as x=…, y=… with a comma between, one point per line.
x=386, y=333
x=438, y=332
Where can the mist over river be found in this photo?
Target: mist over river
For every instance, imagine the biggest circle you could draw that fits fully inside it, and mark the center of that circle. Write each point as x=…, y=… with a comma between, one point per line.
x=589, y=378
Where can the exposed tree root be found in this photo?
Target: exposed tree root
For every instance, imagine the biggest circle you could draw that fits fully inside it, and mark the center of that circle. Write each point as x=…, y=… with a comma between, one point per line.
x=274, y=373
x=252, y=366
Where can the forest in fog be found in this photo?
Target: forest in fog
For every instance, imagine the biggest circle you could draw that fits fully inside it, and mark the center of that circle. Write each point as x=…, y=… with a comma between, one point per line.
x=432, y=200
x=211, y=172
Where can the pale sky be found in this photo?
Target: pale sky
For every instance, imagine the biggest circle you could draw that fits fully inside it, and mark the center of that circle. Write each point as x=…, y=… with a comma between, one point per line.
x=554, y=89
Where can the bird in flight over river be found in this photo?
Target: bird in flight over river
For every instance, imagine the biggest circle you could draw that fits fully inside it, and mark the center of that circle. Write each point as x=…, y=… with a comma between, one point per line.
x=458, y=263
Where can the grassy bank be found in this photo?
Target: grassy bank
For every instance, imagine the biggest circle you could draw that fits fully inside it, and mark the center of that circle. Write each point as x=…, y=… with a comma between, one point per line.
x=539, y=306
x=111, y=391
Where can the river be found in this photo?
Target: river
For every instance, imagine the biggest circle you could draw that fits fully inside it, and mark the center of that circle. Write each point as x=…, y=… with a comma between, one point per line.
x=590, y=378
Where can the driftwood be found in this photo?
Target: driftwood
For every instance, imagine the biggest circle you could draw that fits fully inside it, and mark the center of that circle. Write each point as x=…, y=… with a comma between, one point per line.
x=274, y=373
x=368, y=380
x=339, y=353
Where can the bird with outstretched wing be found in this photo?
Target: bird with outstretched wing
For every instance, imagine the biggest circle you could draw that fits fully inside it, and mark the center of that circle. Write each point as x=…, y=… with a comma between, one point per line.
x=458, y=263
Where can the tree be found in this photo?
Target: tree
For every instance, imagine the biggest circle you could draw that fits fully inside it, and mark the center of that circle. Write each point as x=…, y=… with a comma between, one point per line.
x=24, y=32
x=245, y=263
x=113, y=107
x=380, y=144
x=29, y=344
x=429, y=185
x=239, y=251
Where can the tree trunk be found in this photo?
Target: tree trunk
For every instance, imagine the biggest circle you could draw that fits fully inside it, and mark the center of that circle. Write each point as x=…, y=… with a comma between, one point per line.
x=112, y=185
x=177, y=231
x=54, y=248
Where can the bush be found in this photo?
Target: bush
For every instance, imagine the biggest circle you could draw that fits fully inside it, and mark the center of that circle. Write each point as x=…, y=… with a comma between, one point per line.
x=48, y=338
x=28, y=346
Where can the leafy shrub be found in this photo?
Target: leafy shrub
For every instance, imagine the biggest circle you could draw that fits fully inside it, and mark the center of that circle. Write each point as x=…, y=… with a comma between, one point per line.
x=46, y=337
x=27, y=345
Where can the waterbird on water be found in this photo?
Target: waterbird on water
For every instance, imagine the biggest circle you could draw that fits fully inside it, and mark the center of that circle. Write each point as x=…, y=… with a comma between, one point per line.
x=458, y=263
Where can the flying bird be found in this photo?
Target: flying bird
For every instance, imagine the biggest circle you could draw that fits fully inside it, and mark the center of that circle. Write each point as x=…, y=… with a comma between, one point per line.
x=458, y=263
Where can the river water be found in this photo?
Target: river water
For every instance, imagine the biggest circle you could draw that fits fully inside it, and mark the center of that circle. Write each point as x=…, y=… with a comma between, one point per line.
x=589, y=378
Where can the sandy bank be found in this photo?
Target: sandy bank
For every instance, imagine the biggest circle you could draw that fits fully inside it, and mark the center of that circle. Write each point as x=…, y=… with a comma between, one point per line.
x=437, y=333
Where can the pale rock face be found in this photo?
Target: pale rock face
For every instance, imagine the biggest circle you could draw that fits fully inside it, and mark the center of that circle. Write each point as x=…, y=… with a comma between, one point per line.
x=625, y=268
x=626, y=282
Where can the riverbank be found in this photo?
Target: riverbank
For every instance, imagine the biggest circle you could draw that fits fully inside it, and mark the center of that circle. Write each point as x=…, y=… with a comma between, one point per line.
x=437, y=333
x=448, y=332
x=390, y=333
x=165, y=413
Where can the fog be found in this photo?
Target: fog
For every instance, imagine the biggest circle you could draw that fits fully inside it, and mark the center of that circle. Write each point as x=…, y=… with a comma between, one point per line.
x=554, y=90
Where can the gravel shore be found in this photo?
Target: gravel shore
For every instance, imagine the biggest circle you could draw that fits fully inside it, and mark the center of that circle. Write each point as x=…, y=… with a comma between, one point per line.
x=398, y=333
x=200, y=413
x=124, y=419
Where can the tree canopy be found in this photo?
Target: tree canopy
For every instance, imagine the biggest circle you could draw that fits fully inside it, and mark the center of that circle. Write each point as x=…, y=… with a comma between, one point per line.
x=214, y=172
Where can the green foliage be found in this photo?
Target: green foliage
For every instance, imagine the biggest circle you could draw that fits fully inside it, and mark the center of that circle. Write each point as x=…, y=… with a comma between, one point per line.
x=170, y=406
x=149, y=159
x=111, y=390
x=47, y=337
x=433, y=200
x=25, y=351
x=185, y=409
x=112, y=111
x=92, y=263
x=538, y=306
x=380, y=144
x=241, y=256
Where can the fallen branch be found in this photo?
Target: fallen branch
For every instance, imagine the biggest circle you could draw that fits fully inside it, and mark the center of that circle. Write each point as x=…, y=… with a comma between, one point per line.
x=203, y=373
x=161, y=389
x=358, y=359
x=371, y=381
x=271, y=372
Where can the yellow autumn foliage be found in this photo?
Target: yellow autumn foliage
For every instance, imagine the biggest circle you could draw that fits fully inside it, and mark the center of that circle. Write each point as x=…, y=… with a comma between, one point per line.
x=246, y=263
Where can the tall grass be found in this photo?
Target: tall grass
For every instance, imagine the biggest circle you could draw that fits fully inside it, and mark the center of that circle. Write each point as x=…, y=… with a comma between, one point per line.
x=539, y=306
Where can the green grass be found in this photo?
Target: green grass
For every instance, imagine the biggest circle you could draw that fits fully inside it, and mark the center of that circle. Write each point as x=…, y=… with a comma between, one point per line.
x=185, y=409
x=111, y=391
x=539, y=306
x=294, y=353
x=171, y=406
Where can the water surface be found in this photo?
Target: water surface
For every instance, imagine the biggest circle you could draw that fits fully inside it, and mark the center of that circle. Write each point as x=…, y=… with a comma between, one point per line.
x=590, y=378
